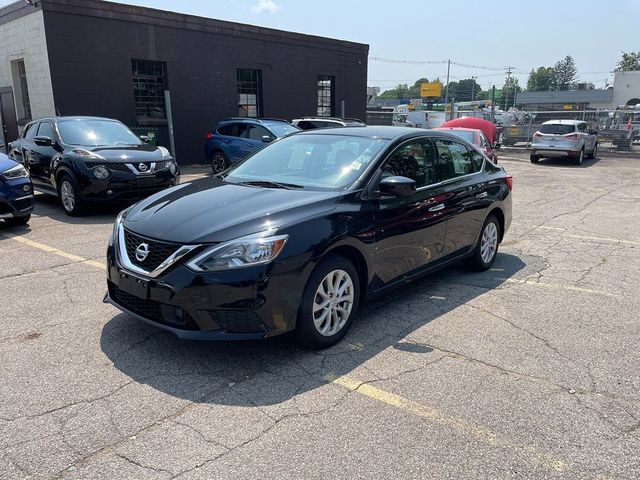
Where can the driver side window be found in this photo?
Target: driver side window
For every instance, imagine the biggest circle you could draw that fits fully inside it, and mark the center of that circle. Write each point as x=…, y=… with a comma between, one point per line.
x=413, y=160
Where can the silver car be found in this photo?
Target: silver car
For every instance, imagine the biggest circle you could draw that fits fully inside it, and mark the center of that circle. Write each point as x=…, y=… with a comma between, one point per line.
x=564, y=139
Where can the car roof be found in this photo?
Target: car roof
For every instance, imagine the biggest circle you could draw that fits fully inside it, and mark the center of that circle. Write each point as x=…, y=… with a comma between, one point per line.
x=464, y=129
x=382, y=132
x=563, y=122
x=79, y=117
x=330, y=119
x=262, y=121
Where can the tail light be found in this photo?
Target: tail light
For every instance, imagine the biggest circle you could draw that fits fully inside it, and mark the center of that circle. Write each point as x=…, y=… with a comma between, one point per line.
x=509, y=180
x=537, y=135
x=209, y=136
x=571, y=136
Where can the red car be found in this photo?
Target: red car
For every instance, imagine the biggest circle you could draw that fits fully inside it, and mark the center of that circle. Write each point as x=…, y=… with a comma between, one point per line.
x=475, y=137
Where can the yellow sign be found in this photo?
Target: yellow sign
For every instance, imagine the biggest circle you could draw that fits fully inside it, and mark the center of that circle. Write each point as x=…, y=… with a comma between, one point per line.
x=568, y=107
x=431, y=89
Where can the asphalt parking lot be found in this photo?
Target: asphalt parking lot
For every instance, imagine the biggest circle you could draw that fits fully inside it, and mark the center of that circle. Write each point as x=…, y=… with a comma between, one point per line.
x=530, y=370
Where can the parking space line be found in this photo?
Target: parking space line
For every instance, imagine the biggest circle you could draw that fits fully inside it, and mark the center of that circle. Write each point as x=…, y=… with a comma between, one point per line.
x=55, y=251
x=586, y=237
x=481, y=433
x=559, y=286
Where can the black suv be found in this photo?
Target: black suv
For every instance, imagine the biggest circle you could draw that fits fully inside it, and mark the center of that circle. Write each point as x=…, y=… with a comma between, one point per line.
x=92, y=159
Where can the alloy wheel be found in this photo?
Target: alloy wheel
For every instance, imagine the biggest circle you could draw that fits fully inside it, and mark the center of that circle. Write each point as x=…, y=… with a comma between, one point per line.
x=333, y=303
x=67, y=196
x=218, y=163
x=489, y=242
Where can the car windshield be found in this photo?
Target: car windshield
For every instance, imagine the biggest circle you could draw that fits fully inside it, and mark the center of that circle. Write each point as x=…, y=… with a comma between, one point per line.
x=463, y=134
x=322, y=162
x=282, y=129
x=556, y=129
x=96, y=133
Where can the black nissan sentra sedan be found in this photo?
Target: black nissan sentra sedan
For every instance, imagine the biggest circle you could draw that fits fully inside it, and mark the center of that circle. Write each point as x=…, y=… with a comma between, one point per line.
x=90, y=159
x=300, y=233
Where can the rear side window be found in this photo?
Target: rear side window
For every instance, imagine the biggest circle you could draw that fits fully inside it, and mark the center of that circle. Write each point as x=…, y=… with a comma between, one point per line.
x=556, y=129
x=582, y=128
x=225, y=130
x=30, y=131
x=454, y=160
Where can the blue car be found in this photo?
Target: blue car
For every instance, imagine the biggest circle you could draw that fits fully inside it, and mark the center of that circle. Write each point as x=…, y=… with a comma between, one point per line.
x=237, y=138
x=16, y=192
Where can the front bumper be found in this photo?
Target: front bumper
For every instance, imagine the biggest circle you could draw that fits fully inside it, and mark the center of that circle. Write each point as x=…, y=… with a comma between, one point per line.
x=244, y=304
x=124, y=186
x=14, y=200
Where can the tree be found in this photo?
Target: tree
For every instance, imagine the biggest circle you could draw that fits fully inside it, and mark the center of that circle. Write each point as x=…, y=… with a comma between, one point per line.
x=508, y=92
x=566, y=73
x=628, y=62
x=541, y=80
x=401, y=92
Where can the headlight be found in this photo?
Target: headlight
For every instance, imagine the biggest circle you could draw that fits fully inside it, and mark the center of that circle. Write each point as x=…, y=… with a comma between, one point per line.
x=173, y=168
x=166, y=155
x=242, y=252
x=15, y=172
x=87, y=155
x=100, y=172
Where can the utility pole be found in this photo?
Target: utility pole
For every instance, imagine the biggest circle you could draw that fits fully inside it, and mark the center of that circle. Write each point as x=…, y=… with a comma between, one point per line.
x=473, y=88
x=505, y=94
x=446, y=88
x=493, y=104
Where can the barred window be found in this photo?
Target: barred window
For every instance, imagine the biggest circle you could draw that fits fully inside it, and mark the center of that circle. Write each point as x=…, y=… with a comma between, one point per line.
x=24, y=89
x=326, y=95
x=249, y=93
x=149, y=84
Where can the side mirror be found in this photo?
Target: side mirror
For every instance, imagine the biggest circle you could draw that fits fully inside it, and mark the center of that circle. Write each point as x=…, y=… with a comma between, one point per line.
x=266, y=138
x=145, y=139
x=43, y=141
x=397, y=187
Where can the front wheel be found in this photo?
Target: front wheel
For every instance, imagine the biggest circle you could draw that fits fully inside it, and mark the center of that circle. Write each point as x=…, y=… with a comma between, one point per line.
x=534, y=158
x=69, y=195
x=594, y=152
x=329, y=303
x=487, y=247
x=219, y=162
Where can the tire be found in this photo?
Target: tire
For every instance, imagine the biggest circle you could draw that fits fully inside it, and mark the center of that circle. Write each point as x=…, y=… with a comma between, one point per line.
x=534, y=158
x=314, y=331
x=594, y=152
x=482, y=259
x=69, y=196
x=17, y=221
x=219, y=162
x=577, y=160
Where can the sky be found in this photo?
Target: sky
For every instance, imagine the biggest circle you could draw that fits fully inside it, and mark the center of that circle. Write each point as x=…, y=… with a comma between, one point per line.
x=493, y=34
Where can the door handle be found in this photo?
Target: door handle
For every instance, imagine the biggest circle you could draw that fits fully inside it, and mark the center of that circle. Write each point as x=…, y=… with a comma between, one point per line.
x=482, y=195
x=437, y=208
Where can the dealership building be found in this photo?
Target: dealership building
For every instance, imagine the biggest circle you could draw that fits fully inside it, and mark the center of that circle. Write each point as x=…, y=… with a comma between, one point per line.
x=91, y=57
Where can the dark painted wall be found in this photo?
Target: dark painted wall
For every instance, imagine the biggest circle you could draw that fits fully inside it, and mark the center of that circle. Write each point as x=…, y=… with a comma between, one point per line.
x=91, y=45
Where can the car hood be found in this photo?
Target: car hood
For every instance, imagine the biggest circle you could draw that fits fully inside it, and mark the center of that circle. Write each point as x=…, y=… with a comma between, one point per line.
x=6, y=163
x=128, y=153
x=211, y=211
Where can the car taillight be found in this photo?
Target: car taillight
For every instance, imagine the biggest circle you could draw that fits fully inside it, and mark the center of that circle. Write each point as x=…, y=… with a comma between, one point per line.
x=537, y=135
x=209, y=136
x=571, y=136
x=509, y=180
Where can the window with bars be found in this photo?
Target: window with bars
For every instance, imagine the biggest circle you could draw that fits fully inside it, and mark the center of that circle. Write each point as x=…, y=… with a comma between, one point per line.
x=149, y=84
x=24, y=91
x=326, y=95
x=249, y=93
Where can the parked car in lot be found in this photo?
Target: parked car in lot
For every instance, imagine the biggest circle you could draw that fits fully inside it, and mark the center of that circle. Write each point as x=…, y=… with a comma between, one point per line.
x=474, y=137
x=91, y=159
x=298, y=234
x=234, y=139
x=16, y=192
x=564, y=139
x=311, y=123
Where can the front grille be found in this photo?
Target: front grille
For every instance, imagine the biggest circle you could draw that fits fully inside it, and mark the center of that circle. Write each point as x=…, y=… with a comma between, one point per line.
x=158, y=251
x=152, y=310
x=238, y=321
x=118, y=167
x=161, y=164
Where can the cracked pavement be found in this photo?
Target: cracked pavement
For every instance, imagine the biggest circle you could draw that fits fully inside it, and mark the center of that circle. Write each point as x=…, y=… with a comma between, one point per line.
x=530, y=370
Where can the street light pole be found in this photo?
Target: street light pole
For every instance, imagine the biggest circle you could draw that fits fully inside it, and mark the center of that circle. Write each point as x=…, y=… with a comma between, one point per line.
x=473, y=88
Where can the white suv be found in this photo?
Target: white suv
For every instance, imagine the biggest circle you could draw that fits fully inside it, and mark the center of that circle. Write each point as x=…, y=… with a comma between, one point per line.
x=564, y=138
x=309, y=123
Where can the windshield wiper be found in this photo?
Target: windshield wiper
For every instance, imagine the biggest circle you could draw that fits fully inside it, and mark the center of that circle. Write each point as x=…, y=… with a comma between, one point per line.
x=269, y=184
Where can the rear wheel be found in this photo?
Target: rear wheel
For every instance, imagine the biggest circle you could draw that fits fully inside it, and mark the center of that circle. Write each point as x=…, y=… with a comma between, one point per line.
x=534, y=158
x=594, y=152
x=487, y=247
x=329, y=303
x=579, y=158
x=16, y=221
x=219, y=162
x=69, y=195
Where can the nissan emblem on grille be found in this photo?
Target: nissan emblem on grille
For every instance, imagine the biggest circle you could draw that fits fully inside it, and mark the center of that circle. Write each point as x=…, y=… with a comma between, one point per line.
x=142, y=252
x=142, y=167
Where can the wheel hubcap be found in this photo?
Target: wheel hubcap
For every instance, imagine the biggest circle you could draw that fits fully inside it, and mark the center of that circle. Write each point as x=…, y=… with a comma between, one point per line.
x=333, y=303
x=67, y=196
x=218, y=163
x=489, y=243
x=581, y=155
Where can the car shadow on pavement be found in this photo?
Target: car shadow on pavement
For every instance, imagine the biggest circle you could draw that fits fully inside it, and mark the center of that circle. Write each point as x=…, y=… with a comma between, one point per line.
x=276, y=370
x=99, y=214
x=565, y=163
